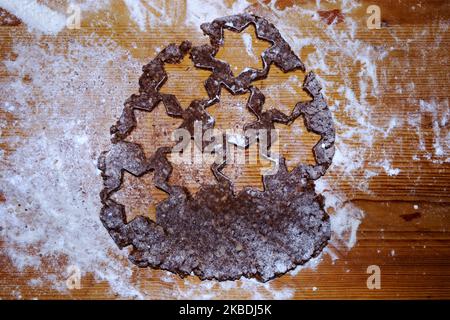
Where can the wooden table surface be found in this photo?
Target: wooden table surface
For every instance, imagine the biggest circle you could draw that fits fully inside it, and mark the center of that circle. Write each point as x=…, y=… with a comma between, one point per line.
x=406, y=228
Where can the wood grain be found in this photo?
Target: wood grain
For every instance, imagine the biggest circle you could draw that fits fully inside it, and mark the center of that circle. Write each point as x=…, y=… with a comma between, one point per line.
x=411, y=246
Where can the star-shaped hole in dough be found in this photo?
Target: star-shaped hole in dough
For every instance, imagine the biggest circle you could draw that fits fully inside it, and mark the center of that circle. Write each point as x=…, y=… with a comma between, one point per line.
x=139, y=196
x=242, y=50
x=185, y=81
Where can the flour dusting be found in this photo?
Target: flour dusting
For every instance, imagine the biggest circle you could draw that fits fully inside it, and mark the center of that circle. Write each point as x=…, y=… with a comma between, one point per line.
x=249, y=46
x=51, y=208
x=440, y=114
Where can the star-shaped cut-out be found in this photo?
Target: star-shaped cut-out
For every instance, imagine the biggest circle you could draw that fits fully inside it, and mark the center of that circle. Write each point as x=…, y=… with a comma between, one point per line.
x=139, y=196
x=244, y=49
x=187, y=88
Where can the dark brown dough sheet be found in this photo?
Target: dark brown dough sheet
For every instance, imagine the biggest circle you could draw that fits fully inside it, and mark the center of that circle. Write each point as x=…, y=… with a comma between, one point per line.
x=215, y=233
